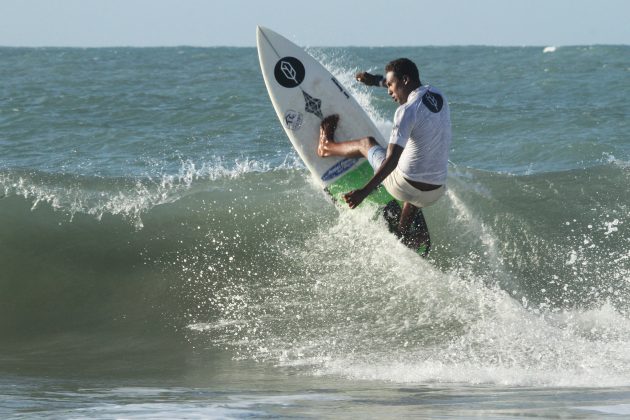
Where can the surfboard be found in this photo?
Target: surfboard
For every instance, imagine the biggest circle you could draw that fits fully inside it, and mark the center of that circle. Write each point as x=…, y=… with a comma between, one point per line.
x=303, y=92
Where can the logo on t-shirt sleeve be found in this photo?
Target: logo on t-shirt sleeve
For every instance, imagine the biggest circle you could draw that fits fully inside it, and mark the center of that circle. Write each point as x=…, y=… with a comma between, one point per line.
x=433, y=101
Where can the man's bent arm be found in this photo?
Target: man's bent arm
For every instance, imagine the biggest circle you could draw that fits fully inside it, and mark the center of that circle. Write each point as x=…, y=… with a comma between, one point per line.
x=354, y=198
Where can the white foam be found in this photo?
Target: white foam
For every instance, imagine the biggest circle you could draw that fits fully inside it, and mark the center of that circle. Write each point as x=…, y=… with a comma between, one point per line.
x=205, y=326
x=549, y=49
x=407, y=322
x=510, y=347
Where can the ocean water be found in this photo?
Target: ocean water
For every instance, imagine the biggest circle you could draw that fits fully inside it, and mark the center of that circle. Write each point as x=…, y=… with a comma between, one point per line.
x=165, y=254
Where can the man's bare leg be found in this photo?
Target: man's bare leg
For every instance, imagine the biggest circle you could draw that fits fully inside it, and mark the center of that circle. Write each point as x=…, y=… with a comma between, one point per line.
x=413, y=228
x=351, y=148
x=407, y=214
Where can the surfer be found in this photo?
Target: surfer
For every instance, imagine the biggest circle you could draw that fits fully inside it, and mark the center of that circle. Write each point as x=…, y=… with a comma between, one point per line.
x=413, y=168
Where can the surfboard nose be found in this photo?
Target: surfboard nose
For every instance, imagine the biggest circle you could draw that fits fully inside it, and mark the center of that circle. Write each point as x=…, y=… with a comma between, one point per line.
x=260, y=33
x=263, y=30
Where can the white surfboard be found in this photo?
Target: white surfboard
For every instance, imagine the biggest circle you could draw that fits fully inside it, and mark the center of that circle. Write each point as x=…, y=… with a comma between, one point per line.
x=303, y=92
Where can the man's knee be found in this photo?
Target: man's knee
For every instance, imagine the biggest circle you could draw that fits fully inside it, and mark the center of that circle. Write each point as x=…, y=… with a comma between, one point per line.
x=368, y=142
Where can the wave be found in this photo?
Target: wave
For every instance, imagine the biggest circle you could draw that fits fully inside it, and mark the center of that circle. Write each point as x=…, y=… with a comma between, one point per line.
x=58, y=257
x=527, y=283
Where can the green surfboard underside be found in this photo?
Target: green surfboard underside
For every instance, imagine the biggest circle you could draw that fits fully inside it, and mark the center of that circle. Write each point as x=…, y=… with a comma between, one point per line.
x=355, y=179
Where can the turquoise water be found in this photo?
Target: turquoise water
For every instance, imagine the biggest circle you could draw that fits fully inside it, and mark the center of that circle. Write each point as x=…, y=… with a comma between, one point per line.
x=164, y=252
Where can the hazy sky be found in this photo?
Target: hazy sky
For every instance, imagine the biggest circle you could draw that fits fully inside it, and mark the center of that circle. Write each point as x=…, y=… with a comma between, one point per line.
x=90, y=23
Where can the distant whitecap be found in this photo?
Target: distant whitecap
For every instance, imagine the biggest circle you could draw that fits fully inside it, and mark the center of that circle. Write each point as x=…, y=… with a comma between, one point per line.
x=549, y=49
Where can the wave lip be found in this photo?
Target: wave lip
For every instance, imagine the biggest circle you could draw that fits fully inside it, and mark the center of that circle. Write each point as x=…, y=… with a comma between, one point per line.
x=127, y=197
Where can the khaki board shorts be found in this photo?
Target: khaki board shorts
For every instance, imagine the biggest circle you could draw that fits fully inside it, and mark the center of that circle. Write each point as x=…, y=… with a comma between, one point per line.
x=399, y=187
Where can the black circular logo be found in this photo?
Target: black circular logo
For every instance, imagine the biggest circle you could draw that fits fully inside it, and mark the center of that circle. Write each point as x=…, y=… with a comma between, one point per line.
x=289, y=72
x=433, y=101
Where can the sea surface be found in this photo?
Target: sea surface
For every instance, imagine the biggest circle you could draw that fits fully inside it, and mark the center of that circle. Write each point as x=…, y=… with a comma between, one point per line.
x=164, y=252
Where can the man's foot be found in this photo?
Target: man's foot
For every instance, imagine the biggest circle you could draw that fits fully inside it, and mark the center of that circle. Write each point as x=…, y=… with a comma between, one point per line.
x=327, y=134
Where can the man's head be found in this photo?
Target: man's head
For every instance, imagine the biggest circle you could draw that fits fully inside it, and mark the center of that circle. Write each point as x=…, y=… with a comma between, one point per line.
x=402, y=78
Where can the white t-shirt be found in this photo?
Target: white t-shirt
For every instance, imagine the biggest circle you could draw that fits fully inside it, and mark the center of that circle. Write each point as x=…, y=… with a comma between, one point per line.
x=423, y=127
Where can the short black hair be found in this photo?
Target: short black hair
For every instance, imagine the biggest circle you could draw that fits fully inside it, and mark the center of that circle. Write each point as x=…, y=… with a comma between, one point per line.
x=403, y=67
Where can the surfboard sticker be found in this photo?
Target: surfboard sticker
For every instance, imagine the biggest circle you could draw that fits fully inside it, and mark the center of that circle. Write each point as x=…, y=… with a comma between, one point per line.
x=293, y=119
x=289, y=72
x=313, y=105
x=339, y=168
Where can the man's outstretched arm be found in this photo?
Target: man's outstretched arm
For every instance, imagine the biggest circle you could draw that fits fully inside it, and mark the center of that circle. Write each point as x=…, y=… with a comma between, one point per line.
x=370, y=79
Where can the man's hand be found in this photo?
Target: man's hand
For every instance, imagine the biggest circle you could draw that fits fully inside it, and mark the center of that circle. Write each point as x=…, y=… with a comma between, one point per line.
x=369, y=79
x=355, y=197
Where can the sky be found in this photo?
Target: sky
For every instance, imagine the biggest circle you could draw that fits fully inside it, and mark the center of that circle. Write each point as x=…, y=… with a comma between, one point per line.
x=98, y=23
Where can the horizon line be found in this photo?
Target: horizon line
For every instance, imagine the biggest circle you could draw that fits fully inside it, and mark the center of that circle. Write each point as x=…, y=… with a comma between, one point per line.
x=321, y=46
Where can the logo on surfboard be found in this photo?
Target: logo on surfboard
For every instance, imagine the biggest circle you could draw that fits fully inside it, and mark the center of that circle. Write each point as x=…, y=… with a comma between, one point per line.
x=313, y=105
x=339, y=168
x=289, y=72
x=293, y=119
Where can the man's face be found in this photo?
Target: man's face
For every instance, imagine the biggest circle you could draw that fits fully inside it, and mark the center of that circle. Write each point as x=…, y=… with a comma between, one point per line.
x=397, y=88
